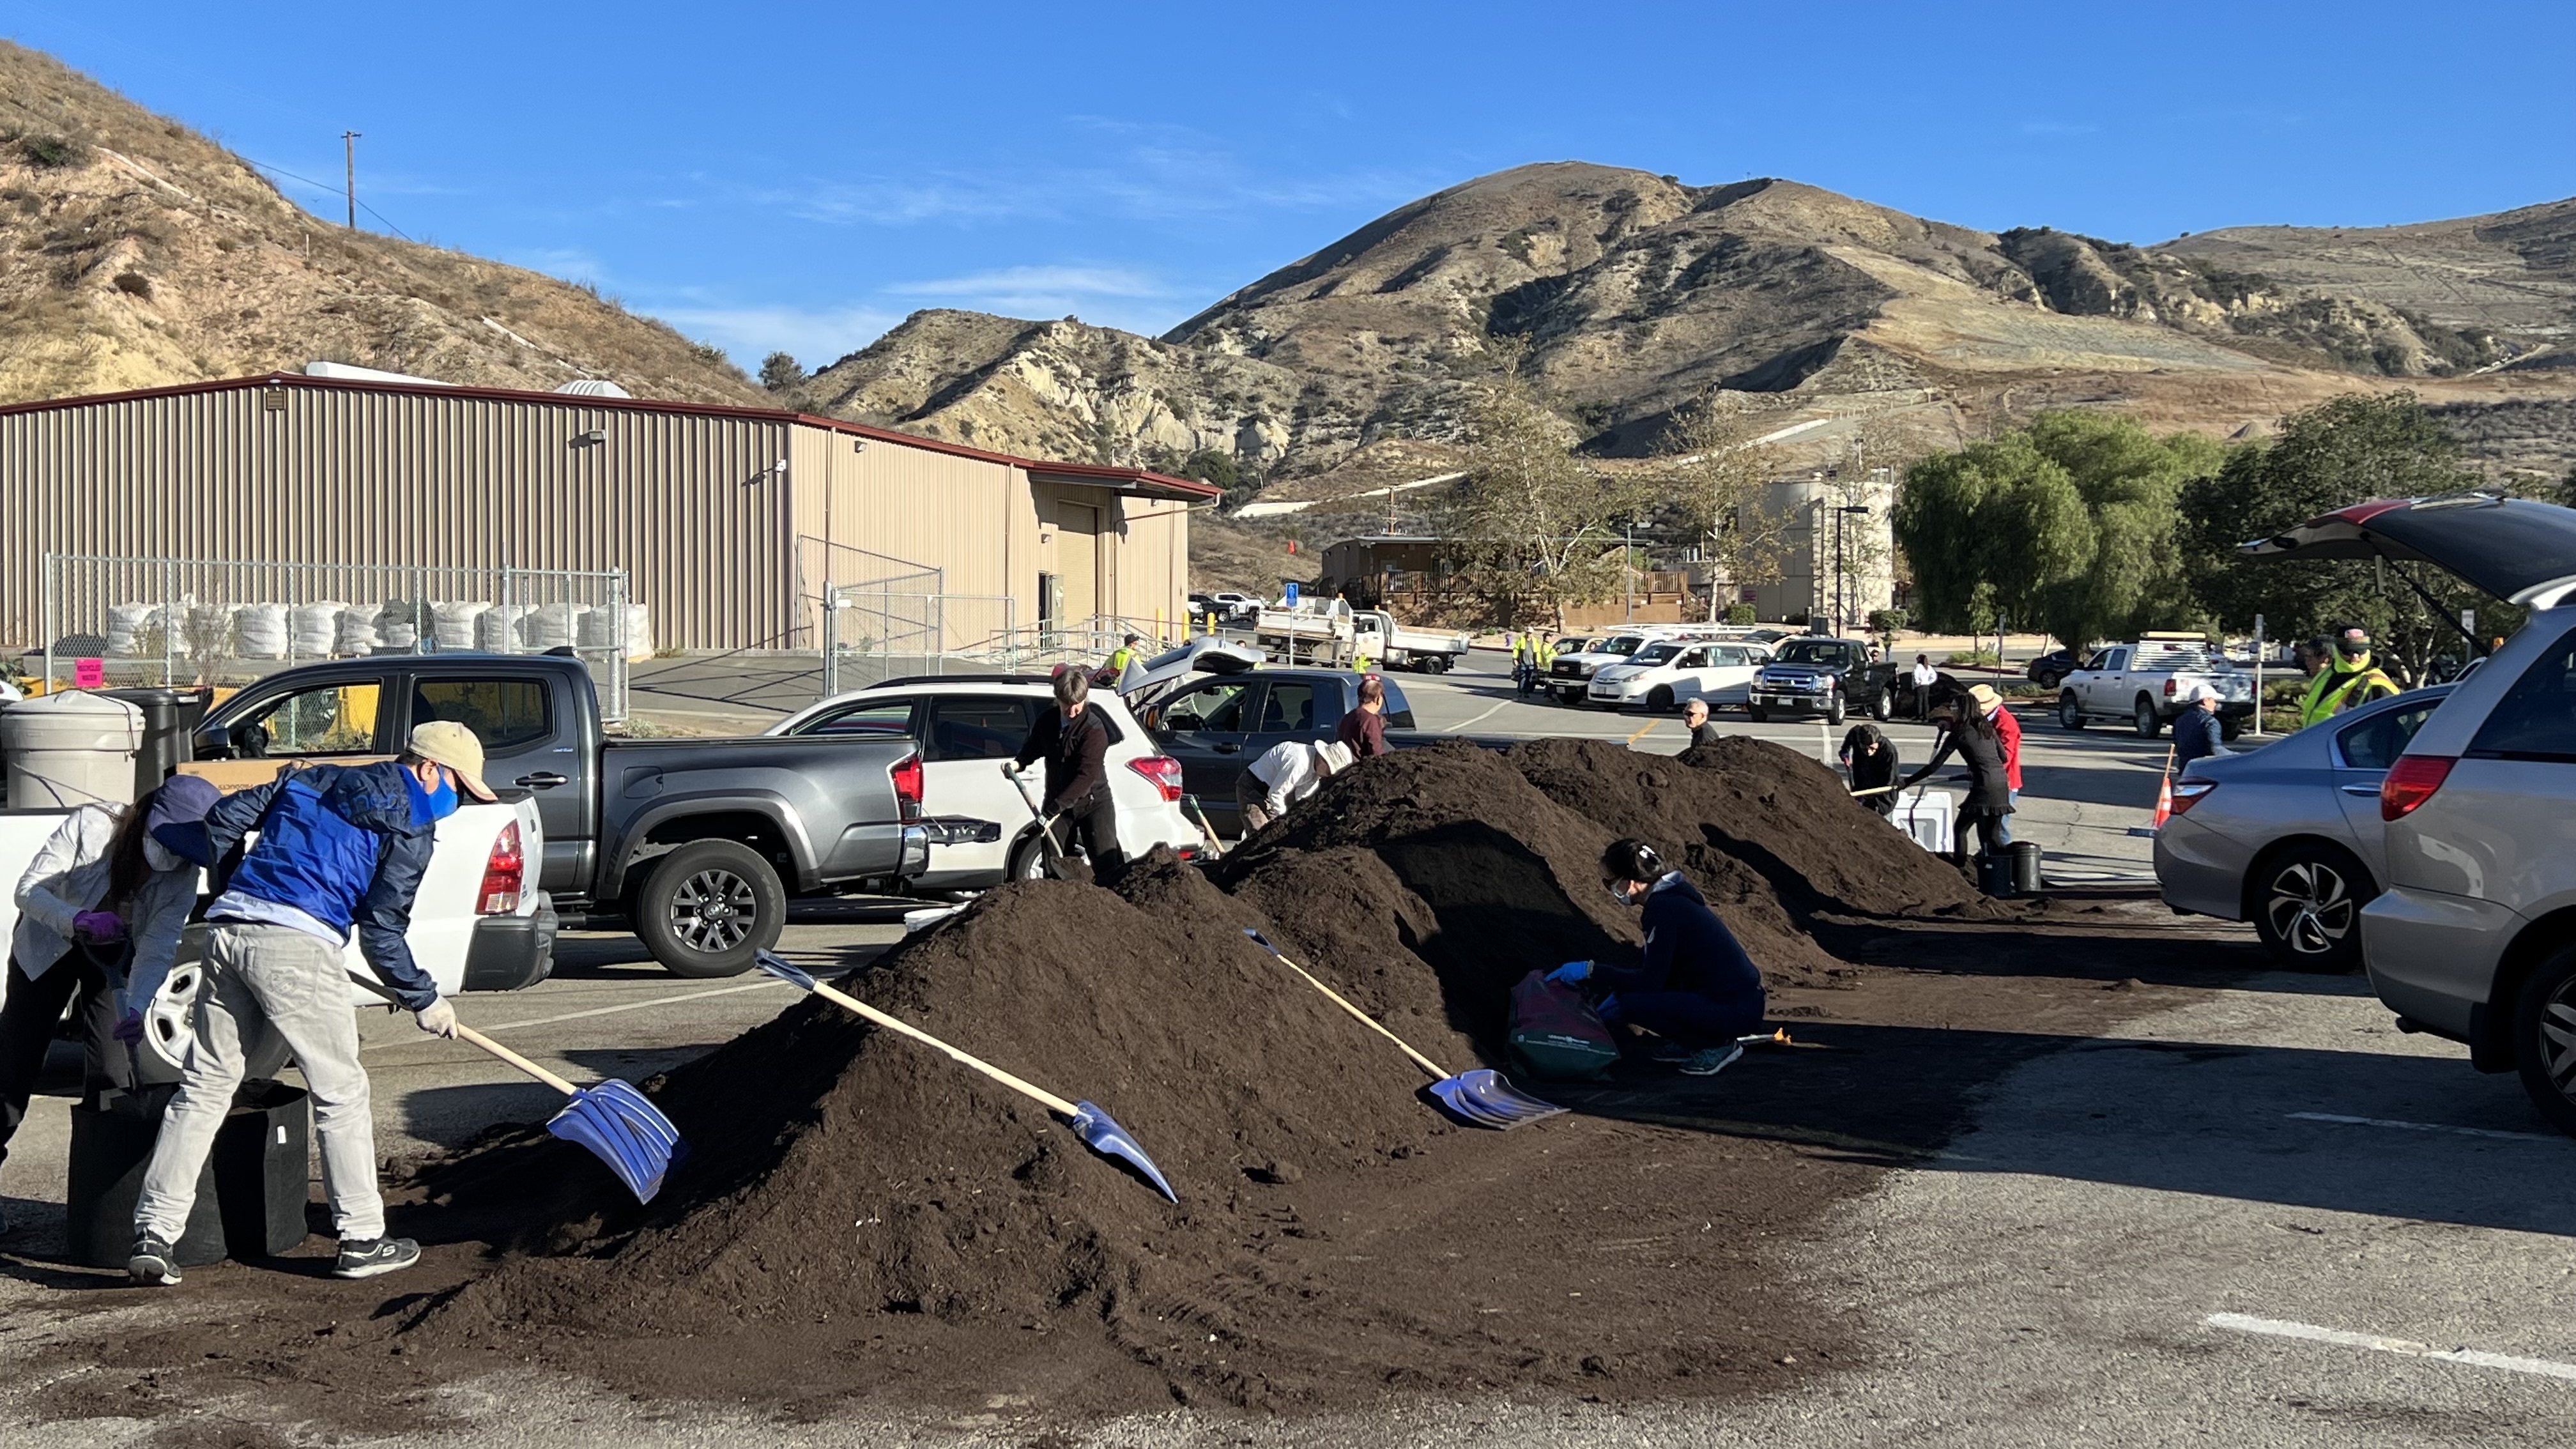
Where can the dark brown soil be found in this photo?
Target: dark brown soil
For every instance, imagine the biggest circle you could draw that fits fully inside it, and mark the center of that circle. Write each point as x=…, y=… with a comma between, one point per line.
x=863, y=1217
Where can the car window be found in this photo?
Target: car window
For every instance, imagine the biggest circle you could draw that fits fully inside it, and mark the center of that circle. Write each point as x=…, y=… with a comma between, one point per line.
x=880, y=719
x=2375, y=743
x=1209, y=707
x=507, y=715
x=329, y=719
x=1828, y=655
x=1720, y=656
x=977, y=727
x=1657, y=654
x=1288, y=709
x=2536, y=719
x=2101, y=660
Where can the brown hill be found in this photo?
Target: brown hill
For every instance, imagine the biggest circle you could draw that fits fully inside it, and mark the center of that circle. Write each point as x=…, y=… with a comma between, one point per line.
x=1633, y=294
x=136, y=253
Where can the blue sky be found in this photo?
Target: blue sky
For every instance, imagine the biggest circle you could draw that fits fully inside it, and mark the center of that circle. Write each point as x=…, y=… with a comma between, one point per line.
x=802, y=176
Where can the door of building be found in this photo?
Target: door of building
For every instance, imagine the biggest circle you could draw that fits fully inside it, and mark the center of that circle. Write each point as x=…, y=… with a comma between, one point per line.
x=1077, y=561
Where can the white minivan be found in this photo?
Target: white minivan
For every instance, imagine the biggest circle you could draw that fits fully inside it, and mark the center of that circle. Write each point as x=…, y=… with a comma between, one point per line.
x=982, y=831
x=1671, y=672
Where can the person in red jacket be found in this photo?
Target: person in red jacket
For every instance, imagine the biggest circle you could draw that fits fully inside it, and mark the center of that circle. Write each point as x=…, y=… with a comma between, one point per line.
x=2009, y=730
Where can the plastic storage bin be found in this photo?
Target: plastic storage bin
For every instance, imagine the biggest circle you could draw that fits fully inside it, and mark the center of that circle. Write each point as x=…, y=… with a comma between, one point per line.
x=70, y=749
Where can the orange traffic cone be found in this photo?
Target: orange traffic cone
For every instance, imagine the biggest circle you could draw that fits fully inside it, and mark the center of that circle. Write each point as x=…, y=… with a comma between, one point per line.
x=2164, y=790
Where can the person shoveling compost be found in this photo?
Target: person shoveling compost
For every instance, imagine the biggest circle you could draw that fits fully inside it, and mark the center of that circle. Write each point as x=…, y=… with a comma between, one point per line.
x=1694, y=987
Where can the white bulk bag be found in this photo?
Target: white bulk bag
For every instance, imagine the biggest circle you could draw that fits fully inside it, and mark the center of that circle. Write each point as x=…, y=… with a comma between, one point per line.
x=358, y=632
x=211, y=632
x=452, y=623
x=259, y=631
x=313, y=630
x=397, y=627
x=131, y=630
x=550, y=626
x=497, y=630
x=639, y=631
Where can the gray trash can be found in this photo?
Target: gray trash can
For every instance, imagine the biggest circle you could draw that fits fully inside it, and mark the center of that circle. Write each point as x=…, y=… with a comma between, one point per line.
x=70, y=749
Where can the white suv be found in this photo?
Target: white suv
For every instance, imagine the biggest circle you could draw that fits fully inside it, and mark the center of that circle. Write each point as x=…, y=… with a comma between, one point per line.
x=1671, y=672
x=2475, y=936
x=967, y=726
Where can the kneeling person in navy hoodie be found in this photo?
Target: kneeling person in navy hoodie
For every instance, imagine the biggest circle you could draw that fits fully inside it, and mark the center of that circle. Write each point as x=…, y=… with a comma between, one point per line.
x=339, y=846
x=1694, y=986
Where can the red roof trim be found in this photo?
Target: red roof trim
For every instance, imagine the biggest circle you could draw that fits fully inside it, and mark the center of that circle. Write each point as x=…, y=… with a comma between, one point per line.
x=632, y=404
x=2364, y=512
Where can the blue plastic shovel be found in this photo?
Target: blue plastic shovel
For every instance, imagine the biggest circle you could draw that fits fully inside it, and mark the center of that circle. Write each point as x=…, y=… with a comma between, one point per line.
x=1481, y=1098
x=1097, y=1129
x=613, y=1120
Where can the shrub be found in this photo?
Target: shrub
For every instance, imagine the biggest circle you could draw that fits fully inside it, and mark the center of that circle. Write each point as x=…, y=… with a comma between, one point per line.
x=779, y=371
x=134, y=284
x=1739, y=613
x=53, y=153
x=1888, y=621
x=1972, y=659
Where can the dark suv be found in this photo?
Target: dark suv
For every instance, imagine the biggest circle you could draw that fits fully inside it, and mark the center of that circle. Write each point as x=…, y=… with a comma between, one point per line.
x=1810, y=676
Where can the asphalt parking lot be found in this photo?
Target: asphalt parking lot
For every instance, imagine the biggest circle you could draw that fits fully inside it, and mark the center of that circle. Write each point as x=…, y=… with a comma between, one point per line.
x=2254, y=1214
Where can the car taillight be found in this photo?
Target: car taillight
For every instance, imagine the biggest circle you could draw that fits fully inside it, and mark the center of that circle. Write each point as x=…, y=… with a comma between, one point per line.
x=2169, y=688
x=2410, y=782
x=907, y=785
x=505, y=870
x=2187, y=793
x=1163, y=770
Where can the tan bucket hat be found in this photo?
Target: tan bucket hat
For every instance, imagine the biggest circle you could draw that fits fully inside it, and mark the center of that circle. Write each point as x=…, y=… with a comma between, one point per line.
x=445, y=742
x=1985, y=697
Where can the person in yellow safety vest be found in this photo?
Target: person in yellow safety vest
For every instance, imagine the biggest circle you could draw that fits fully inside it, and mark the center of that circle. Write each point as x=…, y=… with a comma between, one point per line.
x=1118, y=657
x=1542, y=659
x=2349, y=679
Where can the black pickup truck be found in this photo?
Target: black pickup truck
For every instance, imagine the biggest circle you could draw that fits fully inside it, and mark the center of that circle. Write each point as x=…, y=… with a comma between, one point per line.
x=695, y=844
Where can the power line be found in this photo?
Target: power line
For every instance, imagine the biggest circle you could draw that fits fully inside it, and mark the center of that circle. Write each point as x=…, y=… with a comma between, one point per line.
x=327, y=186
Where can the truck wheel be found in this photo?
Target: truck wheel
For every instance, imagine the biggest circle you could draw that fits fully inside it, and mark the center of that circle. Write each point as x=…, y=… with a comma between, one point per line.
x=2070, y=712
x=2148, y=721
x=1029, y=861
x=1659, y=700
x=1834, y=708
x=2229, y=728
x=2307, y=906
x=1882, y=707
x=1756, y=713
x=708, y=906
x=2544, y=1038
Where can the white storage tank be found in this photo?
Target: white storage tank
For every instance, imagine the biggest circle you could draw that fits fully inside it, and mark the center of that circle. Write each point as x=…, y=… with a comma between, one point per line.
x=74, y=748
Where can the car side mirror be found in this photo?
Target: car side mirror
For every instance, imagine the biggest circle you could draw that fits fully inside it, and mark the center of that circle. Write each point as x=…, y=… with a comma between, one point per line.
x=211, y=743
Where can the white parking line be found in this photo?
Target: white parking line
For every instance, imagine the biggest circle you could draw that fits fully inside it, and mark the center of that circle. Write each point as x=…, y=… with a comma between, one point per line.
x=2475, y=1358
x=1488, y=714
x=760, y=985
x=2426, y=1127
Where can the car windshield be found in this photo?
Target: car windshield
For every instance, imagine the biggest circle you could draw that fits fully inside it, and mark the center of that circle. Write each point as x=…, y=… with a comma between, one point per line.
x=1828, y=652
x=1658, y=653
x=1623, y=646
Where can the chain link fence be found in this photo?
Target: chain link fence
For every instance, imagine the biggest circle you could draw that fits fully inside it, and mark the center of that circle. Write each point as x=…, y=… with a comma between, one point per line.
x=167, y=621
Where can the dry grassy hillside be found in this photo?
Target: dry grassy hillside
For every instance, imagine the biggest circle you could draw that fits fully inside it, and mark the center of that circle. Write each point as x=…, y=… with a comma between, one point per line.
x=136, y=253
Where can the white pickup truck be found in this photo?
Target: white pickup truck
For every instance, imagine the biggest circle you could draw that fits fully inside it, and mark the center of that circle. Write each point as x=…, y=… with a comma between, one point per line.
x=478, y=923
x=2144, y=682
x=1309, y=631
x=1377, y=635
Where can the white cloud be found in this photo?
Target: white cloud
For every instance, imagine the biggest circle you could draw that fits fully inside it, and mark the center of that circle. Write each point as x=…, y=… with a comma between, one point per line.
x=573, y=264
x=814, y=338
x=1054, y=281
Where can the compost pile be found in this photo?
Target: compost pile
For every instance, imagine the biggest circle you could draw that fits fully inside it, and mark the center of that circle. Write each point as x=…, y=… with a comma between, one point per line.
x=848, y=1177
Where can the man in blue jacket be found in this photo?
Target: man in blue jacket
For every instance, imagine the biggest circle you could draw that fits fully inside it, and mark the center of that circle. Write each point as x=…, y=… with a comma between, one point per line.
x=339, y=846
x=1693, y=986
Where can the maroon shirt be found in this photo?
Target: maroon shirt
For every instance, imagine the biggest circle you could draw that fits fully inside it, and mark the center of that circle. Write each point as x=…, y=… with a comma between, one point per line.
x=1364, y=731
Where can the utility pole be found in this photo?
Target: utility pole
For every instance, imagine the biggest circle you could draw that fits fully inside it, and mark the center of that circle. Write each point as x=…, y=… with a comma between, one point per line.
x=349, y=145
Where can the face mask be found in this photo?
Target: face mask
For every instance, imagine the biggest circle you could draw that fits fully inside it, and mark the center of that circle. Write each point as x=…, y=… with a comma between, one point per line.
x=428, y=805
x=158, y=859
x=1618, y=890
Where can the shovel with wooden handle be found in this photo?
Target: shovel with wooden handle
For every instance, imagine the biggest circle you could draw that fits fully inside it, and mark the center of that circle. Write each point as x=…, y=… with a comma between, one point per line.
x=611, y=1119
x=1097, y=1129
x=1480, y=1097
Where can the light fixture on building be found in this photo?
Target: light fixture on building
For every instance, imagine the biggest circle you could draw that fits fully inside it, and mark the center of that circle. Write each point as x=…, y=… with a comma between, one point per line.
x=590, y=439
x=858, y=445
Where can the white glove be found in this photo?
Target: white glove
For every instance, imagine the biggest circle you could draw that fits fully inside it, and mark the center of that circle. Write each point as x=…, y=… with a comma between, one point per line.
x=438, y=1018
x=1010, y=769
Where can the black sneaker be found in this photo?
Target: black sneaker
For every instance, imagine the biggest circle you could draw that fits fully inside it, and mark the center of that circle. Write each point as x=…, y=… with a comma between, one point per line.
x=153, y=1263
x=1710, y=1061
x=367, y=1257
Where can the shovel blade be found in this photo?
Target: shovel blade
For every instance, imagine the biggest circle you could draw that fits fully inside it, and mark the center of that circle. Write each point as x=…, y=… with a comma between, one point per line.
x=1485, y=1099
x=1102, y=1134
x=776, y=965
x=624, y=1131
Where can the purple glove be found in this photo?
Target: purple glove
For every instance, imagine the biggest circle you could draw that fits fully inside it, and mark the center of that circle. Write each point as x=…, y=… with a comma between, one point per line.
x=98, y=927
x=129, y=1028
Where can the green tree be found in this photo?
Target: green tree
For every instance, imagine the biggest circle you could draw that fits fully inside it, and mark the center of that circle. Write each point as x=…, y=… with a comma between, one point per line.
x=1533, y=527
x=2341, y=452
x=779, y=371
x=2067, y=524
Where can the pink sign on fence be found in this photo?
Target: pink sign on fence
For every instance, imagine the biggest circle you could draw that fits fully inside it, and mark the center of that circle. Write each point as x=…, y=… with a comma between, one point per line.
x=89, y=674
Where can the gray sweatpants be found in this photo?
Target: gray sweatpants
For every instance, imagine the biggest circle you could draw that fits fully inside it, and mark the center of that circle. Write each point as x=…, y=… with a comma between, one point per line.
x=266, y=984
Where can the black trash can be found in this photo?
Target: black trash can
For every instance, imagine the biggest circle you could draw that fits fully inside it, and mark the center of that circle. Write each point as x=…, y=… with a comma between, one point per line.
x=1995, y=874
x=170, y=719
x=250, y=1197
x=2026, y=860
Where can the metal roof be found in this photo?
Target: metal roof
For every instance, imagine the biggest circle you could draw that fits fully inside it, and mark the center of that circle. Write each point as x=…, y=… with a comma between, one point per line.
x=1129, y=480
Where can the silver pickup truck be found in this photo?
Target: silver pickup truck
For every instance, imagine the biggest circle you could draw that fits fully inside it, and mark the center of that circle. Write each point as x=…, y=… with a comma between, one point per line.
x=695, y=844
x=2144, y=683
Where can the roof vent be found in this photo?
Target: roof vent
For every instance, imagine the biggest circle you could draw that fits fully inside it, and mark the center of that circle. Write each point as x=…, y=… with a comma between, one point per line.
x=593, y=387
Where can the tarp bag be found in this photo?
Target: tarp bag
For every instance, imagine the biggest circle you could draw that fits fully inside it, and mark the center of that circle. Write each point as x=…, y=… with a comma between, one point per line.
x=1555, y=1033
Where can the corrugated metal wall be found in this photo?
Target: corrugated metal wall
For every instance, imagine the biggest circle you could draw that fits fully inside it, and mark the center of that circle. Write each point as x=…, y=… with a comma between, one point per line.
x=692, y=506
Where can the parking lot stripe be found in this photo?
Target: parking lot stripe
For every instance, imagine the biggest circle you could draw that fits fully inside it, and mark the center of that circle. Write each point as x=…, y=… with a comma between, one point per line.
x=2426, y=1127
x=1462, y=725
x=630, y=1006
x=2476, y=1358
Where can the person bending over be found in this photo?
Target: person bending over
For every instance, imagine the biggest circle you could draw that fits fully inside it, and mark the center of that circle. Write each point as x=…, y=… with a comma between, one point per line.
x=1692, y=985
x=1074, y=741
x=1871, y=757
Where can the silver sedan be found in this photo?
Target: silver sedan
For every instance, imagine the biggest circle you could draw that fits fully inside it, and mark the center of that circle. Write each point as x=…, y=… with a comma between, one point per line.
x=2289, y=836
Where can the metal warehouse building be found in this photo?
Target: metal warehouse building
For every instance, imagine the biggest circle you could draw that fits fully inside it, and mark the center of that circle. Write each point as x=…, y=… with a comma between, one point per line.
x=733, y=525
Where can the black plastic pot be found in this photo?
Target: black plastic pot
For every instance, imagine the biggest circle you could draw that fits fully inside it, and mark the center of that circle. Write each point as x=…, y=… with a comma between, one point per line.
x=250, y=1197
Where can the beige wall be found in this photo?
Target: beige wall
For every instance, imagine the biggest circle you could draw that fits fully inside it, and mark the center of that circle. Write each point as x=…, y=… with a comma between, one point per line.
x=688, y=504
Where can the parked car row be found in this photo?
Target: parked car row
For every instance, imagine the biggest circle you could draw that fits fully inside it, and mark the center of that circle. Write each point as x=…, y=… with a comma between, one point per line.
x=2429, y=838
